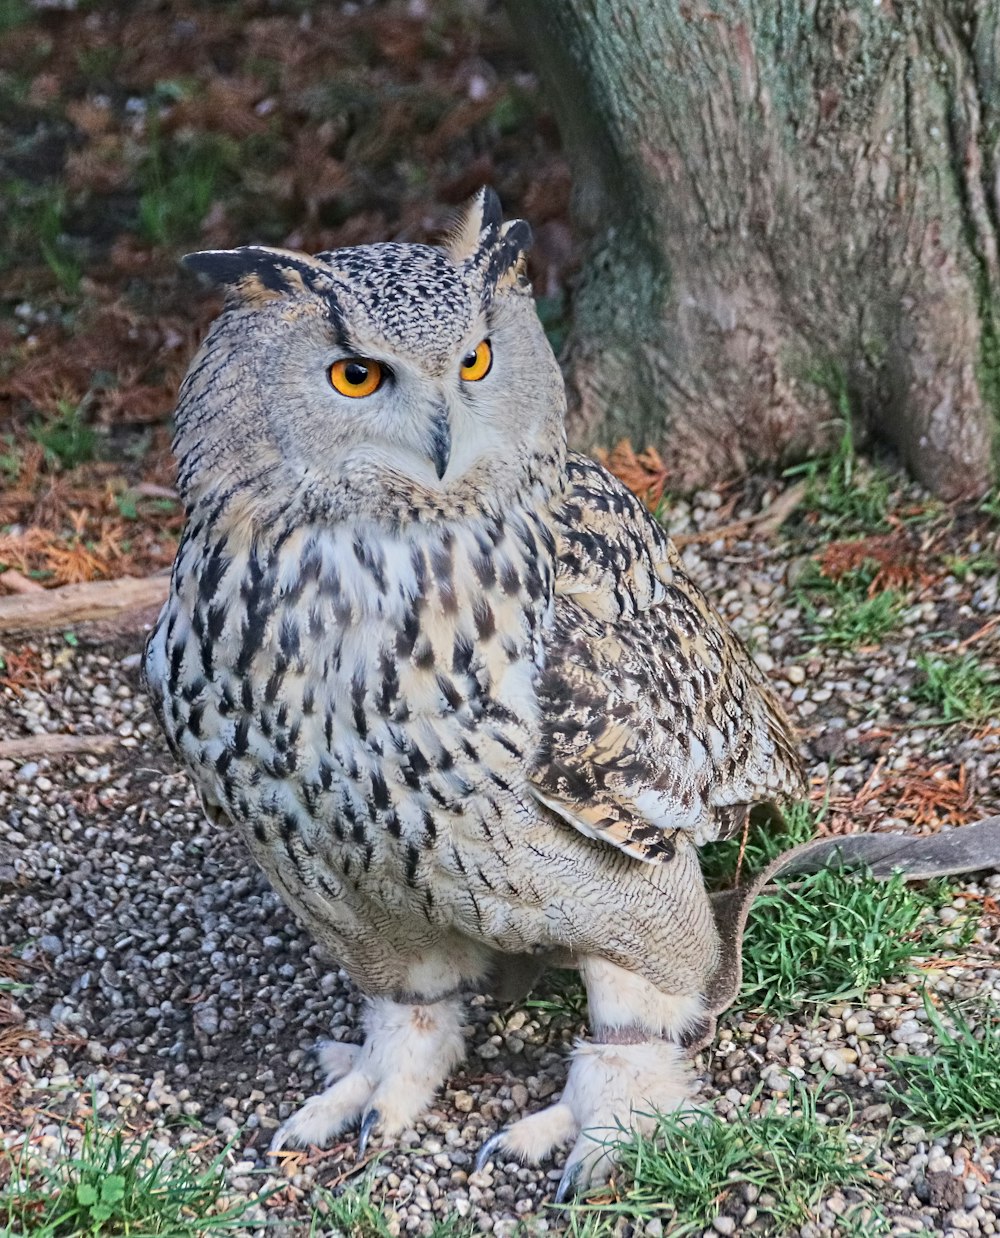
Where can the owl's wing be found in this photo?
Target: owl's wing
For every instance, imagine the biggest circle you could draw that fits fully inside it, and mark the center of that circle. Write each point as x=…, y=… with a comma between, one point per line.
x=654, y=717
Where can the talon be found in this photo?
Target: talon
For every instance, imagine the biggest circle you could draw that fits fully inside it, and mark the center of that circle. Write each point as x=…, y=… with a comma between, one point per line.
x=368, y=1123
x=487, y=1150
x=568, y=1182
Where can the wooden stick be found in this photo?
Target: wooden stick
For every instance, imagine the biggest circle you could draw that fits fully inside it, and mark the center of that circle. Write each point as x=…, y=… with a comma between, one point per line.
x=150, y=490
x=763, y=524
x=987, y=627
x=16, y=582
x=47, y=744
x=72, y=604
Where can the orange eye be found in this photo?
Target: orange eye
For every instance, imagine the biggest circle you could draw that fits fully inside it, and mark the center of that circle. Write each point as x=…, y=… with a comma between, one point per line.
x=478, y=363
x=357, y=376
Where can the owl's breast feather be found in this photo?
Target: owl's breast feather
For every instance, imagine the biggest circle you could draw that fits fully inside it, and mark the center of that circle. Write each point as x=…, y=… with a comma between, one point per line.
x=365, y=698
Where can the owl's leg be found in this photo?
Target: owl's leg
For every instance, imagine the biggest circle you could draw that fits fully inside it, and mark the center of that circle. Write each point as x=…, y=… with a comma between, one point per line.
x=388, y=1081
x=634, y=1066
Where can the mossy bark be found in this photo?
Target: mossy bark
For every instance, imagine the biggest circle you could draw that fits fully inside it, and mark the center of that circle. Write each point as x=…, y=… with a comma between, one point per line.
x=777, y=191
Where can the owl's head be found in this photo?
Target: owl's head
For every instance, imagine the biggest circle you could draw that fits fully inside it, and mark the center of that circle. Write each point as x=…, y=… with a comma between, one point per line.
x=376, y=379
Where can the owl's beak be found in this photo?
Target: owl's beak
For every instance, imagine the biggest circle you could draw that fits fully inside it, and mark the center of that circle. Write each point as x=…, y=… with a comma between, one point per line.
x=440, y=442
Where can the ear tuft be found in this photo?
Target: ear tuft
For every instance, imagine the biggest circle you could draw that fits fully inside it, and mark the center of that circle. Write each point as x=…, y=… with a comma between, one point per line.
x=478, y=223
x=491, y=208
x=505, y=262
x=258, y=273
x=516, y=236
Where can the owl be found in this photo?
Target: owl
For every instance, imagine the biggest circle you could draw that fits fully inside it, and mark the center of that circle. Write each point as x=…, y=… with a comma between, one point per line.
x=448, y=680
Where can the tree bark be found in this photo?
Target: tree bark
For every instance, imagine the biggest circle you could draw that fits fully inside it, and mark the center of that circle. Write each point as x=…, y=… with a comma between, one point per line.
x=787, y=201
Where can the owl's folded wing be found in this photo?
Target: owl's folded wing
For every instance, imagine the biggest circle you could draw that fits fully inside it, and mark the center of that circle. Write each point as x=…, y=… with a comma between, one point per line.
x=654, y=717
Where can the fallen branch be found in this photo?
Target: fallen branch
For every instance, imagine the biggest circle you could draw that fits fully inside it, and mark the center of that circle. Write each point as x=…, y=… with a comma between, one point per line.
x=16, y=582
x=150, y=490
x=763, y=524
x=72, y=604
x=985, y=630
x=60, y=745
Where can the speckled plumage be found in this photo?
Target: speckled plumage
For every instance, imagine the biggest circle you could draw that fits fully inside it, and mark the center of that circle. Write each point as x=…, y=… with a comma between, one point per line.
x=653, y=717
x=468, y=724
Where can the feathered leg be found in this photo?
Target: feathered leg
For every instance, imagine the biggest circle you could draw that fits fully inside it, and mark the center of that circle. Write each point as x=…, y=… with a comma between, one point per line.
x=389, y=1081
x=633, y=1066
x=635, y=1062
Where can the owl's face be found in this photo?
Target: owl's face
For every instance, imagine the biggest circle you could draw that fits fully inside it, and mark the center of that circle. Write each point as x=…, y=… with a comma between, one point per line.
x=419, y=371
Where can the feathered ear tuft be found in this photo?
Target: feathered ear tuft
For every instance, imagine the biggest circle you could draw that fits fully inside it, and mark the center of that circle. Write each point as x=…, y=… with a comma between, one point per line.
x=482, y=242
x=257, y=273
x=478, y=224
x=504, y=261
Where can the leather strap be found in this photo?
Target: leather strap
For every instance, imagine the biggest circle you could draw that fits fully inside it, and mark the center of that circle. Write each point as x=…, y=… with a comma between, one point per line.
x=964, y=849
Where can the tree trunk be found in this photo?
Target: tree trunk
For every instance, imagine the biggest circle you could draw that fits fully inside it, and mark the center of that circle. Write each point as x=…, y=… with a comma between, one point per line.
x=787, y=200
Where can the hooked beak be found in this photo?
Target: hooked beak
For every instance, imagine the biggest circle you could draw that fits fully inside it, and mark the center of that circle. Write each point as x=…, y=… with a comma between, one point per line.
x=440, y=442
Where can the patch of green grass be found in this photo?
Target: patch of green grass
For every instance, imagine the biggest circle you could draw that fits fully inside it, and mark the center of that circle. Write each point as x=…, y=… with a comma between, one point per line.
x=57, y=250
x=116, y=1186
x=66, y=437
x=959, y=688
x=10, y=458
x=560, y=993
x=10, y=987
x=127, y=504
x=690, y=1171
x=180, y=180
x=174, y=90
x=958, y=1086
x=15, y=88
x=33, y=220
x=991, y=504
x=979, y=565
x=354, y=1214
x=514, y=111
x=845, y=492
x=98, y=66
x=767, y=838
x=844, y=615
x=832, y=935
x=14, y=13
x=853, y=624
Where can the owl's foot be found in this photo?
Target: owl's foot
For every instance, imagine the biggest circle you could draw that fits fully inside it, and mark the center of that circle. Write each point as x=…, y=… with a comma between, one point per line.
x=634, y=1069
x=388, y=1081
x=611, y=1090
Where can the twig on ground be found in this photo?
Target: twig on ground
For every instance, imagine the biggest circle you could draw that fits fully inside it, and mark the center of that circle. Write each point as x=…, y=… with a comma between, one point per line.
x=763, y=524
x=16, y=582
x=71, y=604
x=987, y=627
x=150, y=490
x=56, y=745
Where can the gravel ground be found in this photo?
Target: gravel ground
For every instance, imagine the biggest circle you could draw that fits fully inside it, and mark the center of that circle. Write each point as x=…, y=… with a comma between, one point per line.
x=167, y=977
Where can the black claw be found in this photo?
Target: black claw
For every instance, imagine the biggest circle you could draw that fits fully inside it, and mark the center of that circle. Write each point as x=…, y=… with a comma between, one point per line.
x=568, y=1182
x=487, y=1150
x=369, y=1121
